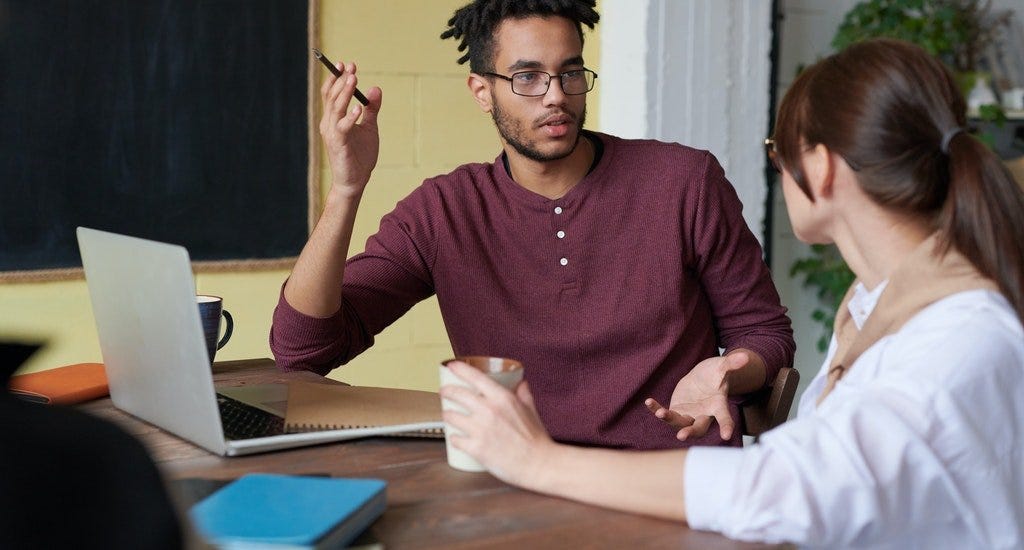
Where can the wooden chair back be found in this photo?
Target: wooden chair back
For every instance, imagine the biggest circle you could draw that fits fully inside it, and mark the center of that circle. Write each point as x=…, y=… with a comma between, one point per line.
x=772, y=407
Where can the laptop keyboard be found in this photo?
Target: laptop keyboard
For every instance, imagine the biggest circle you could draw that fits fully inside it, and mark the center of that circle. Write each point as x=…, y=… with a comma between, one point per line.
x=243, y=421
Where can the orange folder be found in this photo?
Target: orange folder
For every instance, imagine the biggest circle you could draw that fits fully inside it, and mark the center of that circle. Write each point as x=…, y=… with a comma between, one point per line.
x=62, y=385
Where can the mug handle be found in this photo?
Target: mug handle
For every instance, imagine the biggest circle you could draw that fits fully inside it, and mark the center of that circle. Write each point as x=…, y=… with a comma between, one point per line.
x=227, y=330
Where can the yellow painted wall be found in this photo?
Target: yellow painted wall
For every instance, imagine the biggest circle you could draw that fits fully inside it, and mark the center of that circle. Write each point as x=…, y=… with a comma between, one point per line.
x=429, y=125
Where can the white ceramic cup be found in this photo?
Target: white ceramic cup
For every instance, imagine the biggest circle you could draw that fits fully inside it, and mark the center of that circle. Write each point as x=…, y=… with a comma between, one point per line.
x=506, y=372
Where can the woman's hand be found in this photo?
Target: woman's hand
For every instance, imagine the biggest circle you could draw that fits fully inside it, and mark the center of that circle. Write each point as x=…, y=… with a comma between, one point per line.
x=501, y=430
x=504, y=433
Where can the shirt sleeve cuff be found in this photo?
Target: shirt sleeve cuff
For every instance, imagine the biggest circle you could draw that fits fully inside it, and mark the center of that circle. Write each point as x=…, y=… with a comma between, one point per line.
x=710, y=481
x=771, y=353
x=301, y=342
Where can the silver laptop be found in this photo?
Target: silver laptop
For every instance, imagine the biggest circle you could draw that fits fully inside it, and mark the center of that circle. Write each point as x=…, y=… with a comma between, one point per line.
x=143, y=300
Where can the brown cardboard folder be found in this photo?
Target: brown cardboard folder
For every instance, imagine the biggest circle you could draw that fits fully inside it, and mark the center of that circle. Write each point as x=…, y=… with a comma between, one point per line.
x=62, y=385
x=315, y=407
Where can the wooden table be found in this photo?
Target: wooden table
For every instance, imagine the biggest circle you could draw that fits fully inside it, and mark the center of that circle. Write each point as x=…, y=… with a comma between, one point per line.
x=430, y=505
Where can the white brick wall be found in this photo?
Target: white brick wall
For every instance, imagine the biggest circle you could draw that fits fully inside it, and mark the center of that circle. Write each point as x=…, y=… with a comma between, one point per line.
x=694, y=72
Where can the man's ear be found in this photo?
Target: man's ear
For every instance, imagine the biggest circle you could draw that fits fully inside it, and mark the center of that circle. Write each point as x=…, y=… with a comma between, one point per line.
x=820, y=169
x=480, y=87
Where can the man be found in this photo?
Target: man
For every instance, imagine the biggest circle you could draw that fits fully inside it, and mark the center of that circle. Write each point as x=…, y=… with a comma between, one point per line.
x=613, y=269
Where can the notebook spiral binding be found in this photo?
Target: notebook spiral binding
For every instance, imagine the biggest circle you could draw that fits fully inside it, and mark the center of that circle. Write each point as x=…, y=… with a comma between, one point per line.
x=431, y=433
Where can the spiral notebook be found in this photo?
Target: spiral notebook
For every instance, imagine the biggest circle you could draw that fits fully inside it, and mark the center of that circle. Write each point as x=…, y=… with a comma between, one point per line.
x=317, y=407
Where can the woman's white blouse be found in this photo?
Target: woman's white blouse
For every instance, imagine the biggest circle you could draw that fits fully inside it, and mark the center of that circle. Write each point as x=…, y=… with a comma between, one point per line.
x=920, y=444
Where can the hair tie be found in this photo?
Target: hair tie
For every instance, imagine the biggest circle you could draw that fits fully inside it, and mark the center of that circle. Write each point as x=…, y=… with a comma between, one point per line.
x=948, y=137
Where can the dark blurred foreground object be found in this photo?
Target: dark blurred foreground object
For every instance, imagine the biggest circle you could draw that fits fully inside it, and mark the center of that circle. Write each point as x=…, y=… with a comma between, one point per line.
x=74, y=481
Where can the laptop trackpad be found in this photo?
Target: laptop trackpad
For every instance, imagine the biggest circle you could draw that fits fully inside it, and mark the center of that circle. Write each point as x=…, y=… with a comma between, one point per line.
x=272, y=398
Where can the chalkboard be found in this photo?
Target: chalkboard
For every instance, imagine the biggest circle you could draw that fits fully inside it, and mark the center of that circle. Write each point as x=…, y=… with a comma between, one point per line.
x=183, y=121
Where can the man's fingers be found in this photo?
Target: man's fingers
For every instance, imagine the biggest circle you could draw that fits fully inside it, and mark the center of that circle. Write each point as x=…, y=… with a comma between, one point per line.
x=736, y=360
x=331, y=114
x=348, y=89
x=677, y=419
x=334, y=112
x=342, y=88
x=376, y=98
x=653, y=405
x=325, y=88
x=336, y=83
x=697, y=429
x=657, y=409
x=671, y=417
x=725, y=426
x=338, y=93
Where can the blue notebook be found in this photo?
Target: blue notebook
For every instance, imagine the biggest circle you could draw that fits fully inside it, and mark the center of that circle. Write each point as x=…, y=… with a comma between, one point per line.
x=282, y=511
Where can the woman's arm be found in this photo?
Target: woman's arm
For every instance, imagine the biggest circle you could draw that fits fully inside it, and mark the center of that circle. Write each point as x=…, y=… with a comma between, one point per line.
x=503, y=431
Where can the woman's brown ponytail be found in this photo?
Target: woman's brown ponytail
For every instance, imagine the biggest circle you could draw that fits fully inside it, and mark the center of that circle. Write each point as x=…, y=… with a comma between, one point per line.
x=983, y=216
x=896, y=115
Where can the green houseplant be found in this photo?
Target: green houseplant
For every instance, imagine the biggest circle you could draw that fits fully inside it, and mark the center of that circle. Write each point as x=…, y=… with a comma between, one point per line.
x=956, y=31
x=825, y=271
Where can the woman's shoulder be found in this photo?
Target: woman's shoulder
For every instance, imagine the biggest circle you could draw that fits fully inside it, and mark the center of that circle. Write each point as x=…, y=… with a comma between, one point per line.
x=960, y=336
x=968, y=313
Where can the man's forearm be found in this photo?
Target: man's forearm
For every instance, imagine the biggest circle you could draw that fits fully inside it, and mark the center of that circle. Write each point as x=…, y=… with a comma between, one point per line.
x=314, y=287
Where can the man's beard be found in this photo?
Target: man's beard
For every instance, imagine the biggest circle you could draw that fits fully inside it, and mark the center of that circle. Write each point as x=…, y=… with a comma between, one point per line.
x=511, y=131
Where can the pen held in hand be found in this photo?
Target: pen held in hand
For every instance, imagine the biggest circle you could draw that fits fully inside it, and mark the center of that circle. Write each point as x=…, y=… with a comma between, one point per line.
x=334, y=70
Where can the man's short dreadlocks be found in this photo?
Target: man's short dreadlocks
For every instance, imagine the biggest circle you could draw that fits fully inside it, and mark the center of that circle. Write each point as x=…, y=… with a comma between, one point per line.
x=475, y=22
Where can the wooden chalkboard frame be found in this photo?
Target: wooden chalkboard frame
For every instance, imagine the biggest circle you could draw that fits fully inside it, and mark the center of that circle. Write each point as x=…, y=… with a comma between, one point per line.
x=312, y=184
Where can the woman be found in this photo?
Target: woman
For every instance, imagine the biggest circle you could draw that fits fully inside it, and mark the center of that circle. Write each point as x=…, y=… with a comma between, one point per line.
x=912, y=434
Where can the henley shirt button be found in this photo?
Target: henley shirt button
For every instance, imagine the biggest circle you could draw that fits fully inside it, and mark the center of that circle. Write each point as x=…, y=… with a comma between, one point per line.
x=563, y=261
x=558, y=210
x=560, y=234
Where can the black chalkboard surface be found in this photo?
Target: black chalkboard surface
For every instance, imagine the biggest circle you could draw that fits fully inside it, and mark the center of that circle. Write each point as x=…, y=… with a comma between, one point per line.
x=183, y=121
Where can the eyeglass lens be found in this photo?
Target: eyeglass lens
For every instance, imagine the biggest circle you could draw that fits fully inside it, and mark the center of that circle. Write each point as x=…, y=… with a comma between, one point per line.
x=536, y=83
x=769, y=149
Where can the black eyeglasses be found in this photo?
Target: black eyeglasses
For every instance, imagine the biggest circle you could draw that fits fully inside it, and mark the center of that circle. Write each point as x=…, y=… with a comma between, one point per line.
x=769, y=149
x=773, y=157
x=536, y=83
